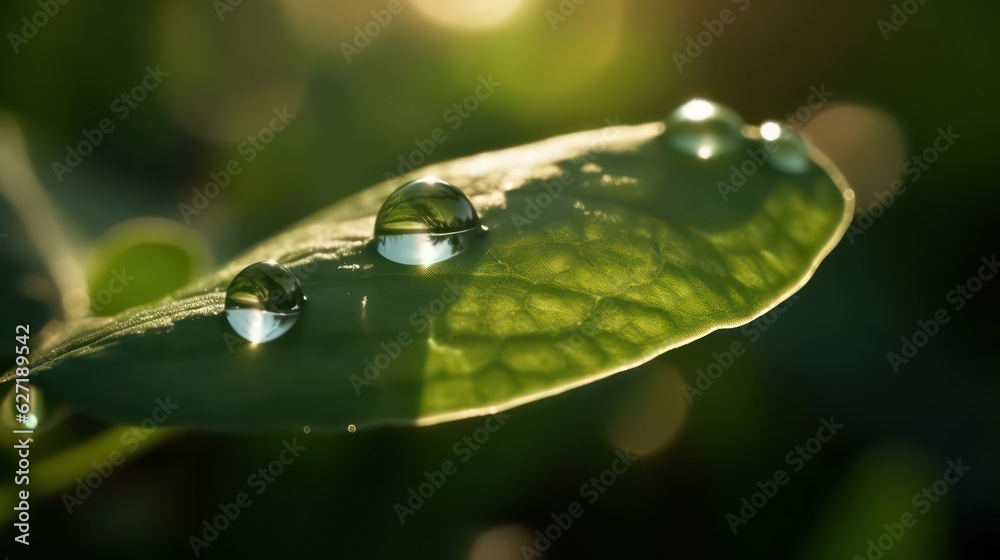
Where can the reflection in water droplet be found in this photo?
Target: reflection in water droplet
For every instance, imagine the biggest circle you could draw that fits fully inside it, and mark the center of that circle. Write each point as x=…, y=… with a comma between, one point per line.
x=787, y=150
x=263, y=301
x=704, y=129
x=30, y=418
x=424, y=222
x=352, y=428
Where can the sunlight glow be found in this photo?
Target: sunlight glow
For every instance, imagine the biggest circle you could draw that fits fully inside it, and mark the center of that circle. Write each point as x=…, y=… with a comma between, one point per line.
x=697, y=110
x=462, y=14
x=770, y=130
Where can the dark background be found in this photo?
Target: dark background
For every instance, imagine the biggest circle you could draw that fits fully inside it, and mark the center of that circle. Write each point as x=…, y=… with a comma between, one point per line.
x=825, y=355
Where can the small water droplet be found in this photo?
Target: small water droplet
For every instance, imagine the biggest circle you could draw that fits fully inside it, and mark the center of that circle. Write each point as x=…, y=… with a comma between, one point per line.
x=306, y=429
x=34, y=419
x=352, y=428
x=263, y=301
x=787, y=150
x=424, y=222
x=704, y=129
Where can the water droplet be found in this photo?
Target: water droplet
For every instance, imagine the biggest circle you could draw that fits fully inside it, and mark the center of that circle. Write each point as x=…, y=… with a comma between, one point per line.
x=263, y=301
x=306, y=429
x=424, y=222
x=352, y=428
x=34, y=419
x=704, y=129
x=787, y=150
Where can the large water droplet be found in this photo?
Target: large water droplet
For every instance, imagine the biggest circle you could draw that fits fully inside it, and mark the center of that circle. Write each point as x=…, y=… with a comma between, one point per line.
x=704, y=129
x=263, y=301
x=787, y=150
x=424, y=222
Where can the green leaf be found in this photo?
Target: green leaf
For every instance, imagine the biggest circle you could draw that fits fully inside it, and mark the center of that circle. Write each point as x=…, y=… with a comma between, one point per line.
x=141, y=261
x=604, y=249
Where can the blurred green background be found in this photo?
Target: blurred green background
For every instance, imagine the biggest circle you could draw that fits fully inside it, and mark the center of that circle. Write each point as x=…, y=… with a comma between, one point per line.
x=229, y=67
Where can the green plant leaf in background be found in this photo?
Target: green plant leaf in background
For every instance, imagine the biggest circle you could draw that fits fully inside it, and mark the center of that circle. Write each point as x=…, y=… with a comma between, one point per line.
x=41, y=249
x=142, y=260
x=603, y=250
x=866, y=511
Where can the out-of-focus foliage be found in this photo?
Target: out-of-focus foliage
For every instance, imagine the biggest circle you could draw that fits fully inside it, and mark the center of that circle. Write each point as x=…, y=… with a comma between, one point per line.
x=823, y=353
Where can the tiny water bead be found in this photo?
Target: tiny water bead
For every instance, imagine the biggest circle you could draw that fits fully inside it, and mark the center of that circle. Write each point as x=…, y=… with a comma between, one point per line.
x=424, y=222
x=704, y=129
x=786, y=148
x=24, y=409
x=263, y=301
x=352, y=428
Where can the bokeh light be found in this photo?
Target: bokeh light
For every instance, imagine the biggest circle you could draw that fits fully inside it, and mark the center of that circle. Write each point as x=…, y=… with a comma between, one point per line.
x=465, y=15
x=864, y=142
x=501, y=543
x=652, y=413
x=225, y=78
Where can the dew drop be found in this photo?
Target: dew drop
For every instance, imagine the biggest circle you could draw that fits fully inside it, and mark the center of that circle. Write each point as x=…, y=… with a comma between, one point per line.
x=352, y=428
x=263, y=301
x=35, y=419
x=787, y=150
x=424, y=222
x=704, y=129
x=306, y=429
